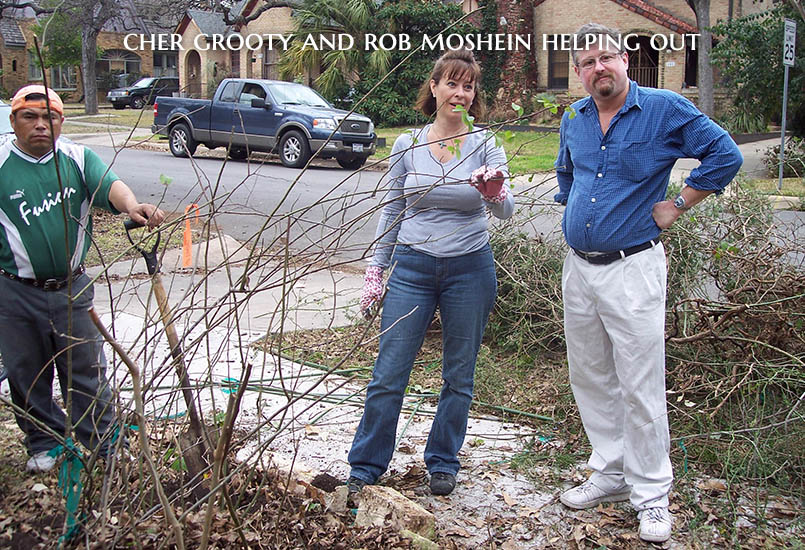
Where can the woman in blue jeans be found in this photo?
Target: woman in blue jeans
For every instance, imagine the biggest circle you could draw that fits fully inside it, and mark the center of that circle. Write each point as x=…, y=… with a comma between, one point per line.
x=442, y=182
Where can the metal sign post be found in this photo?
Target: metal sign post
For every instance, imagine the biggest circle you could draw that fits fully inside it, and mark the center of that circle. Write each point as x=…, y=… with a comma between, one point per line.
x=789, y=41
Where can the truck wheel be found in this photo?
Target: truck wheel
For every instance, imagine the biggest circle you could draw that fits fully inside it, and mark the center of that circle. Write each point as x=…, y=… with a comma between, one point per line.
x=181, y=142
x=351, y=162
x=137, y=102
x=238, y=153
x=294, y=149
x=118, y=106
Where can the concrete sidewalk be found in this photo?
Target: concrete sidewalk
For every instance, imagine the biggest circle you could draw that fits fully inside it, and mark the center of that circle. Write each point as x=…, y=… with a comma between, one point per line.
x=315, y=297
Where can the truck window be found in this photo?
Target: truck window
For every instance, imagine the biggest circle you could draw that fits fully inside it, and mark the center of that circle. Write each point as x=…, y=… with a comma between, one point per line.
x=251, y=91
x=229, y=93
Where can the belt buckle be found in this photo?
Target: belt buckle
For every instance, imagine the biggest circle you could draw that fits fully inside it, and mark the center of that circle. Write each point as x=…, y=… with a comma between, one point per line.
x=51, y=284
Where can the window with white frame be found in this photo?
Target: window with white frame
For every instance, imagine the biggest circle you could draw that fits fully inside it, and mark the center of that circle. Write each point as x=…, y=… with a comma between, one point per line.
x=34, y=70
x=558, y=67
x=271, y=58
x=119, y=61
x=61, y=77
x=165, y=64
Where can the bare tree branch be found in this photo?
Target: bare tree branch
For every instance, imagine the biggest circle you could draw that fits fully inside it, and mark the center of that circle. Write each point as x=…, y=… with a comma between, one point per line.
x=239, y=19
x=22, y=5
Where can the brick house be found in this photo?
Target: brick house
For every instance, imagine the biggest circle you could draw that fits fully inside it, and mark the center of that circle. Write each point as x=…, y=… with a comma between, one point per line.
x=116, y=65
x=13, y=56
x=668, y=62
x=201, y=67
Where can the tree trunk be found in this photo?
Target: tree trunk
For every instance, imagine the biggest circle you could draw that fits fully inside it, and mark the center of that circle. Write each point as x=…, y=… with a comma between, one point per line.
x=797, y=5
x=89, y=54
x=704, y=47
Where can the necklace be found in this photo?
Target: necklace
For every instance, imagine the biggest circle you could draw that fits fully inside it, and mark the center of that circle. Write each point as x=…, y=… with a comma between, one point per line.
x=441, y=143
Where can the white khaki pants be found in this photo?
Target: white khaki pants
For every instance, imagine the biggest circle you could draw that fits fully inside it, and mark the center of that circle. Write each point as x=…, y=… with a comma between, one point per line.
x=615, y=328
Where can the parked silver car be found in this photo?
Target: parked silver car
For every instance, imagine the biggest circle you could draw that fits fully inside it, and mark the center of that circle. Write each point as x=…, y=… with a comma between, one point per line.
x=6, y=131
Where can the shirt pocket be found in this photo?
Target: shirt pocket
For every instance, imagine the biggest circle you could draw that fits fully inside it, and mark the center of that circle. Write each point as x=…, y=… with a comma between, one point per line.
x=637, y=160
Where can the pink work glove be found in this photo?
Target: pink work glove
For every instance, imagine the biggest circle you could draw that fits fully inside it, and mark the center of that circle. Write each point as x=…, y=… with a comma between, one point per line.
x=372, y=289
x=489, y=183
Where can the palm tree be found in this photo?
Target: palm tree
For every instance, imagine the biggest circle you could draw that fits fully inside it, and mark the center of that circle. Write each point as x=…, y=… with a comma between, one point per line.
x=328, y=18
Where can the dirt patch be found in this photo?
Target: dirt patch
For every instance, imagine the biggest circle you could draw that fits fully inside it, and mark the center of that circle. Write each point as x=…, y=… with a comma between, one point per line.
x=32, y=509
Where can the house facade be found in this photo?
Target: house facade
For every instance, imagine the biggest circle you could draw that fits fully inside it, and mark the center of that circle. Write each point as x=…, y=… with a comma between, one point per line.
x=663, y=41
x=202, y=64
x=13, y=56
x=116, y=66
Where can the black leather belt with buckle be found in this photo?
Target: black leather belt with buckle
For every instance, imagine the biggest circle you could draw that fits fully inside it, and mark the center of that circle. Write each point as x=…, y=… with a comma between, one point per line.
x=45, y=284
x=605, y=258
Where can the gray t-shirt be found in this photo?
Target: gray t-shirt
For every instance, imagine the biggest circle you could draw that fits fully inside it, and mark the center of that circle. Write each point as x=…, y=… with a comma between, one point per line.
x=430, y=206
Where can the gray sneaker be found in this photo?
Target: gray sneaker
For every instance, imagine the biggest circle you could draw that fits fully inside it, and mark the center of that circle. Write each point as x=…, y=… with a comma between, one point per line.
x=40, y=462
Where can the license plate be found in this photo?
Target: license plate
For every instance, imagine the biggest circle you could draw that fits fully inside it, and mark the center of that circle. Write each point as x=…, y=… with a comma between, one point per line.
x=357, y=147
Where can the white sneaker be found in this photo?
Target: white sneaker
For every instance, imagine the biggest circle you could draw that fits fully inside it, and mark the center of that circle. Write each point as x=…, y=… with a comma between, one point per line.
x=588, y=495
x=655, y=524
x=40, y=462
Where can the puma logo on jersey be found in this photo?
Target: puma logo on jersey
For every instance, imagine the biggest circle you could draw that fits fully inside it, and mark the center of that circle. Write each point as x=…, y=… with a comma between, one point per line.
x=49, y=202
x=18, y=195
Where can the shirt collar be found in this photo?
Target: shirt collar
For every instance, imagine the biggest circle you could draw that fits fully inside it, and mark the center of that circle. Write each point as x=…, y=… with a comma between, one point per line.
x=632, y=99
x=25, y=156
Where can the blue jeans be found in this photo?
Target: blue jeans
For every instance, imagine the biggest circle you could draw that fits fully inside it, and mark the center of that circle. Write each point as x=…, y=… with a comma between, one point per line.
x=464, y=288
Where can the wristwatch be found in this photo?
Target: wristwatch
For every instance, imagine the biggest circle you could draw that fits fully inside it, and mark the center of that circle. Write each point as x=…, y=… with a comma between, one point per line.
x=680, y=203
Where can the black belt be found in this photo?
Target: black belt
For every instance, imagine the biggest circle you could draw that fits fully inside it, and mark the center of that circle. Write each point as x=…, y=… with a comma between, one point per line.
x=609, y=257
x=45, y=284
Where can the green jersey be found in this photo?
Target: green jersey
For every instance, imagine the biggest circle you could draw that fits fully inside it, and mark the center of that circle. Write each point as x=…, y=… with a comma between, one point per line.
x=33, y=207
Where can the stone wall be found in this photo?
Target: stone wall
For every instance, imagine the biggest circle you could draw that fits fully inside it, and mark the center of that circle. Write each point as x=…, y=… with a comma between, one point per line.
x=15, y=69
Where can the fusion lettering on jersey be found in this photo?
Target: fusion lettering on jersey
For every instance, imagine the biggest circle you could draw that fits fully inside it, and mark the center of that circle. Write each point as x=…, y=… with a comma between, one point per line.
x=49, y=202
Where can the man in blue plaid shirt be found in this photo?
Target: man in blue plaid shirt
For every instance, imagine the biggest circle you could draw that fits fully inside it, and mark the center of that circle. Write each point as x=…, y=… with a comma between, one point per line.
x=615, y=159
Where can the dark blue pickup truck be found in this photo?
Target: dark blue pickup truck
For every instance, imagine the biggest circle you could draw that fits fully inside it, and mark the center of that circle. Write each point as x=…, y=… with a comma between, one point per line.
x=247, y=115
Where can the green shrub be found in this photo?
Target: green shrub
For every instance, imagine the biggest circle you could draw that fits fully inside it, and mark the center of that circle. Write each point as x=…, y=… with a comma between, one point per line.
x=743, y=120
x=392, y=103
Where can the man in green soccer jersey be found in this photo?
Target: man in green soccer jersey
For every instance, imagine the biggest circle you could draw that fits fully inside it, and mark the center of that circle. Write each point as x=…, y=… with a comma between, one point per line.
x=45, y=232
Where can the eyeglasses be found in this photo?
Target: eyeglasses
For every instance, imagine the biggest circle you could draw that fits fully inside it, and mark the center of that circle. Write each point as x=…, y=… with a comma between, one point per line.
x=605, y=58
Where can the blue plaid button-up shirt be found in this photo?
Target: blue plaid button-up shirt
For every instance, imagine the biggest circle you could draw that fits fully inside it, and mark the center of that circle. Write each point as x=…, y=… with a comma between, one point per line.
x=611, y=182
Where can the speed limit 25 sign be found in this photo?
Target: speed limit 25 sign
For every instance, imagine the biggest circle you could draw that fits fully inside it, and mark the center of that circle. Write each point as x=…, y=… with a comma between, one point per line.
x=789, y=41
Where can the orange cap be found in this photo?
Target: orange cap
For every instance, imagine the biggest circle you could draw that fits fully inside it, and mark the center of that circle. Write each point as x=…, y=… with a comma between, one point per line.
x=21, y=101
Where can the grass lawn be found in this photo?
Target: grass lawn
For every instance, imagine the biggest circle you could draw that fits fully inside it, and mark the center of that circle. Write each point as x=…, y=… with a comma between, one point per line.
x=143, y=118
x=68, y=129
x=527, y=152
x=792, y=187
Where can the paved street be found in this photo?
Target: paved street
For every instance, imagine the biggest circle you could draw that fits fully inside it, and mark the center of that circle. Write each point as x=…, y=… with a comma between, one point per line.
x=329, y=208
x=344, y=220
